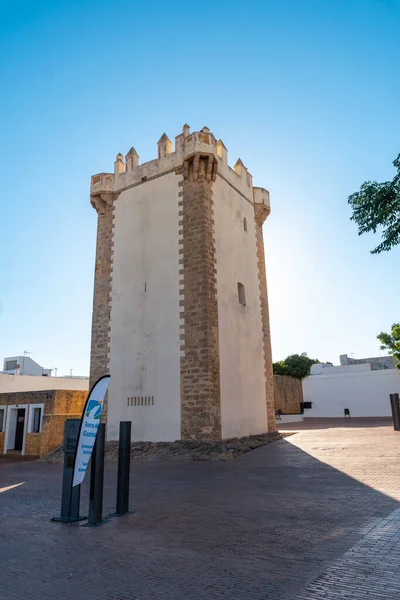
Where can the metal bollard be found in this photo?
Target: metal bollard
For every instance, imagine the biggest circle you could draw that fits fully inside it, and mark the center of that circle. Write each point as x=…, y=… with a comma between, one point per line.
x=395, y=406
x=124, y=463
x=97, y=479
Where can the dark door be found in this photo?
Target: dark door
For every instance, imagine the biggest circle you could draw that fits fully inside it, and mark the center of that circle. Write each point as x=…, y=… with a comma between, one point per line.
x=19, y=430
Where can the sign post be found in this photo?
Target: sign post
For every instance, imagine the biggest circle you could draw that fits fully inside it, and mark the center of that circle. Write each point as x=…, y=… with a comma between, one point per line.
x=70, y=497
x=92, y=435
x=79, y=440
x=89, y=427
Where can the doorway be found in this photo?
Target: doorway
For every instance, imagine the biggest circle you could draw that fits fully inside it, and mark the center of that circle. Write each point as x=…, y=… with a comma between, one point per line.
x=19, y=430
x=15, y=429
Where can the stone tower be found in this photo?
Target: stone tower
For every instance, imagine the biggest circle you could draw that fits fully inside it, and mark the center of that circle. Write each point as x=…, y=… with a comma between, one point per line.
x=180, y=309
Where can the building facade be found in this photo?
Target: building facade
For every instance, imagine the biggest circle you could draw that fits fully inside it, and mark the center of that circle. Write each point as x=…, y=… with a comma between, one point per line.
x=377, y=362
x=180, y=310
x=24, y=365
x=32, y=422
x=358, y=389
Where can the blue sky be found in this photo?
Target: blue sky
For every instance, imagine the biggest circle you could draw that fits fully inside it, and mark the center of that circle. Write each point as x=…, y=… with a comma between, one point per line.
x=305, y=92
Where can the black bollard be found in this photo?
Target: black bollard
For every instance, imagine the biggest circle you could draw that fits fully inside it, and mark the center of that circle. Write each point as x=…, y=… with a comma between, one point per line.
x=70, y=496
x=124, y=463
x=97, y=479
x=395, y=405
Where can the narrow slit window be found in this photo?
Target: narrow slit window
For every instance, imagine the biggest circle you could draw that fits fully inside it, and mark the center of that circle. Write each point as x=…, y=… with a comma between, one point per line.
x=245, y=223
x=241, y=294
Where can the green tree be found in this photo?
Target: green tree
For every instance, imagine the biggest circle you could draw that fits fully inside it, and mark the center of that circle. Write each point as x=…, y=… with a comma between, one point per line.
x=391, y=342
x=377, y=206
x=295, y=365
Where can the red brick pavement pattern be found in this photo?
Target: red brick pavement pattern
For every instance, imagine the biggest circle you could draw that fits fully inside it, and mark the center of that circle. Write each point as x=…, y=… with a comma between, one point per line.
x=264, y=526
x=370, y=569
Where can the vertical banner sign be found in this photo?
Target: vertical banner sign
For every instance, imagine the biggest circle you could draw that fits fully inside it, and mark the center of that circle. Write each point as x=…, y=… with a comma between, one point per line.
x=89, y=427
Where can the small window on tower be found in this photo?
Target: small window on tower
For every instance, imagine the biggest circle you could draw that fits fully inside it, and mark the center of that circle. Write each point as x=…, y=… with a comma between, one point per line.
x=241, y=294
x=245, y=224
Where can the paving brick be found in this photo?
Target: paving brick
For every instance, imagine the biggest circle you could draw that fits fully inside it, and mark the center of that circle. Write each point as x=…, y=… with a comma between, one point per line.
x=315, y=516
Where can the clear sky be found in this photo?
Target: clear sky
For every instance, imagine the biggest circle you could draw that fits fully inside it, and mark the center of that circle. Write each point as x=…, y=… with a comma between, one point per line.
x=306, y=92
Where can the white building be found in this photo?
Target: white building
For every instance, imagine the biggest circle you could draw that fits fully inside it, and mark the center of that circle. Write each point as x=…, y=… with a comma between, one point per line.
x=180, y=312
x=23, y=365
x=376, y=362
x=329, y=369
x=364, y=392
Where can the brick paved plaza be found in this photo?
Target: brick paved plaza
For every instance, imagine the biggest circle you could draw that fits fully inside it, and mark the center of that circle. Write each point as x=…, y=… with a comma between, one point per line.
x=315, y=516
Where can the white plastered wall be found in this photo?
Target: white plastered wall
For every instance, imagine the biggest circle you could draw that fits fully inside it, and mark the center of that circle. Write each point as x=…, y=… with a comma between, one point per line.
x=364, y=393
x=144, y=337
x=243, y=404
x=31, y=383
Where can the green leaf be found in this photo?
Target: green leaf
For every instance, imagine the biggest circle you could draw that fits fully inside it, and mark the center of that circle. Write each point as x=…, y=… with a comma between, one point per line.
x=377, y=207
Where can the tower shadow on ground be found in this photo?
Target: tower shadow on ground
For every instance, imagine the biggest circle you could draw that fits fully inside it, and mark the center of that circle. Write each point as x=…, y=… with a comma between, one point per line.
x=260, y=526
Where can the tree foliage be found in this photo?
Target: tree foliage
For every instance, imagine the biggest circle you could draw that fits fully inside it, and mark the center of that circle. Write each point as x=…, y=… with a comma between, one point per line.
x=391, y=342
x=377, y=206
x=295, y=365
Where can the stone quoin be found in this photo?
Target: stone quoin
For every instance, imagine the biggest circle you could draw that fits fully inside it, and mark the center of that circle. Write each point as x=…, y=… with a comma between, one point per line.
x=180, y=307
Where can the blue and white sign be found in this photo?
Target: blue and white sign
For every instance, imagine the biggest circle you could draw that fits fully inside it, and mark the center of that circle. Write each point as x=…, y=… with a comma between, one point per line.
x=89, y=427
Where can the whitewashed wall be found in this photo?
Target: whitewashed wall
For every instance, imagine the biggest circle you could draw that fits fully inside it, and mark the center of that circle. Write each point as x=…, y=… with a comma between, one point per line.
x=365, y=393
x=144, y=342
x=243, y=404
x=30, y=383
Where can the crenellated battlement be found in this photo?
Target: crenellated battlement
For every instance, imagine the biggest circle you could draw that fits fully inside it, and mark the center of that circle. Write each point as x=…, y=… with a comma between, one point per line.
x=128, y=171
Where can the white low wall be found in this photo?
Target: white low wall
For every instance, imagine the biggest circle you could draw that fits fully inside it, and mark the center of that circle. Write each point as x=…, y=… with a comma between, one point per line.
x=31, y=383
x=289, y=419
x=364, y=393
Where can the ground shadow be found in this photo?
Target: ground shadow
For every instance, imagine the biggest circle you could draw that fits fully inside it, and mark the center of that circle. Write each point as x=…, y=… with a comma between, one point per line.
x=258, y=527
